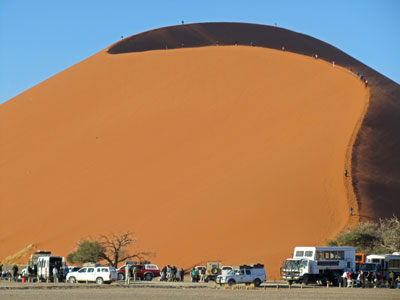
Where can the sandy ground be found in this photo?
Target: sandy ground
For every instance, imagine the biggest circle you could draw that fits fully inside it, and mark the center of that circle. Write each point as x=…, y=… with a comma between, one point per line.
x=215, y=153
x=158, y=291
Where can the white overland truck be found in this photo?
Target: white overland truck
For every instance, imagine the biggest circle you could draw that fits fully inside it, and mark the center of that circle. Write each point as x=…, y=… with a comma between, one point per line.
x=385, y=263
x=318, y=264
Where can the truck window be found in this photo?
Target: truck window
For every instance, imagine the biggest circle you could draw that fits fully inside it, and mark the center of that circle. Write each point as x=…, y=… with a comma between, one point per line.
x=98, y=269
x=299, y=253
x=90, y=270
x=83, y=270
x=248, y=272
x=333, y=255
x=340, y=254
x=327, y=255
x=320, y=255
x=394, y=263
x=308, y=254
x=104, y=270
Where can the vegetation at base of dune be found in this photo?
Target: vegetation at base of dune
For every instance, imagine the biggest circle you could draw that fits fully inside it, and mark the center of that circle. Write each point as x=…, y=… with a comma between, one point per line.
x=87, y=251
x=110, y=248
x=367, y=237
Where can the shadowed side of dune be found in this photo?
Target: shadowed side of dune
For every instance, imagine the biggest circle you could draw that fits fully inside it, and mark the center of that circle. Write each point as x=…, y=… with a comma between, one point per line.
x=375, y=159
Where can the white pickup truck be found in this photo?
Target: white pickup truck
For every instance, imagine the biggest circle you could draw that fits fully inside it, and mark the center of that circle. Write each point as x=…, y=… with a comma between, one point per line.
x=243, y=274
x=99, y=275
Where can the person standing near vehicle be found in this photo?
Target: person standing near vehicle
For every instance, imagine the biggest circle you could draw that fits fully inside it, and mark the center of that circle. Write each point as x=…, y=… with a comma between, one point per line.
x=193, y=274
x=127, y=274
x=55, y=275
x=182, y=274
x=134, y=273
x=15, y=272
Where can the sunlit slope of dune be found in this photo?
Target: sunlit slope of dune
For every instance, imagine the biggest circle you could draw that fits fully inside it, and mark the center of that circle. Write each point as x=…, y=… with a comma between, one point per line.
x=231, y=153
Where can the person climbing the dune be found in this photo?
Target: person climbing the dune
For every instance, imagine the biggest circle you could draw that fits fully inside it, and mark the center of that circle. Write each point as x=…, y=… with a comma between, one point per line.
x=351, y=211
x=346, y=173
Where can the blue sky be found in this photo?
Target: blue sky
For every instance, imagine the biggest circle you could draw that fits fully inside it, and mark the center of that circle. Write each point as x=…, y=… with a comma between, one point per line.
x=39, y=38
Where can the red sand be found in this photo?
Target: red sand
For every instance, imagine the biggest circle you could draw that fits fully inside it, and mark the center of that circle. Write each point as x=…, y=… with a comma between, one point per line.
x=216, y=153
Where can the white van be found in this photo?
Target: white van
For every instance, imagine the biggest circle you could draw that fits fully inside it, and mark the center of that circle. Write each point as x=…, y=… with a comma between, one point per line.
x=46, y=264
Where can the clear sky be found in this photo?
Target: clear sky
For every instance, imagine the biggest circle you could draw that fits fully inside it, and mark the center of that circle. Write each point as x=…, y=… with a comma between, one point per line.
x=39, y=38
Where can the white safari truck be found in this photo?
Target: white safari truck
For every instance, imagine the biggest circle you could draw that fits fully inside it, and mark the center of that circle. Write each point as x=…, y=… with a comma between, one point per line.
x=385, y=263
x=318, y=264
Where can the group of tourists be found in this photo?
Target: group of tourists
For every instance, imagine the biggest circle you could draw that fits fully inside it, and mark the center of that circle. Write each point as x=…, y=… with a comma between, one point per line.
x=362, y=78
x=198, y=274
x=130, y=273
x=173, y=273
x=370, y=279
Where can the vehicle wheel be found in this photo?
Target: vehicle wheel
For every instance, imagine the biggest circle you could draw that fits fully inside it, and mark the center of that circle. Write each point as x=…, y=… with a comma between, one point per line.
x=121, y=276
x=306, y=279
x=290, y=282
x=206, y=279
x=148, y=277
x=257, y=282
x=99, y=280
x=72, y=279
x=231, y=282
x=214, y=271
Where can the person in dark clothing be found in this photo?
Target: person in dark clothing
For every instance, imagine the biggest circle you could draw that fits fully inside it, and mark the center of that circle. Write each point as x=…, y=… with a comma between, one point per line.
x=182, y=274
x=1, y=271
x=34, y=272
x=15, y=272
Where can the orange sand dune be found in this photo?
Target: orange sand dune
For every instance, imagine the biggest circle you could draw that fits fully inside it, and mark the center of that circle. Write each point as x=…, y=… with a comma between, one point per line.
x=228, y=153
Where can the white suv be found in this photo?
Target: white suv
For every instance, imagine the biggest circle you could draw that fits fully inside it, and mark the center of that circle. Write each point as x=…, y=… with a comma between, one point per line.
x=243, y=275
x=99, y=275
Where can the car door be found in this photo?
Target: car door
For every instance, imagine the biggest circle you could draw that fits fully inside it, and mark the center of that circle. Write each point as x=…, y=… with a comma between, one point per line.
x=91, y=274
x=81, y=274
x=248, y=278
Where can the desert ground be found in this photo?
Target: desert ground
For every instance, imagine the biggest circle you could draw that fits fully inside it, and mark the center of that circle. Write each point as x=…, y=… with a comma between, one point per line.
x=228, y=153
x=157, y=291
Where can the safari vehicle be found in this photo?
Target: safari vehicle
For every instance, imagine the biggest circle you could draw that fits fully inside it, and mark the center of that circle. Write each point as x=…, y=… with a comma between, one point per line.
x=384, y=263
x=97, y=274
x=144, y=271
x=318, y=264
x=243, y=274
x=213, y=269
x=46, y=264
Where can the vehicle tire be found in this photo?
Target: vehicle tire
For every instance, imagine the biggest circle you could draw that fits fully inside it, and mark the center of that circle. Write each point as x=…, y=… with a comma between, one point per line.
x=231, y=282
x=306, y=279
x=206, y=279
x=121, y=276
x=99, y=280
x=214, y=271
x=290, y=282
x=257, y=282
x=148, y=277
x=72, y=279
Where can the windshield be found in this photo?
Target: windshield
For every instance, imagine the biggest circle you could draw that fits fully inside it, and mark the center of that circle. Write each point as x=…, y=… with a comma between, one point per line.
x=370, y=267
x=291, y=264
x=233, y=272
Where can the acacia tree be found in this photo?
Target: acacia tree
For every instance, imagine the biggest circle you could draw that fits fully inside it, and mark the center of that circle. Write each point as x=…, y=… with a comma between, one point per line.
x=111, y=248
x=382, y=237
x=115, y=248
x=87, y=251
